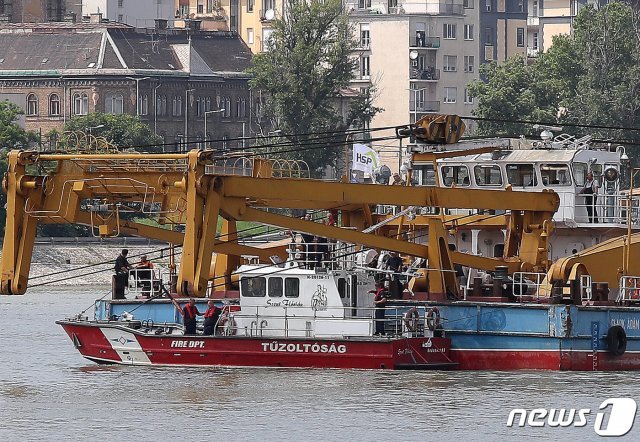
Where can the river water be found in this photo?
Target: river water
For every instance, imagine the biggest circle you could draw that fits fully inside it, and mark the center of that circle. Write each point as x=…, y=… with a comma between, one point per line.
x=49, y=392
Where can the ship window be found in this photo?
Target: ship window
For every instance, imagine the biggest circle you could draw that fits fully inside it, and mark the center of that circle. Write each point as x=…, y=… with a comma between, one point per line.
x=488, y=175
x=291, y=287
x=458, y=175
x=275, y=287
x=253, y=287
x=521, y=175
x=425, y=174
x=580, y=173
x=555, y=175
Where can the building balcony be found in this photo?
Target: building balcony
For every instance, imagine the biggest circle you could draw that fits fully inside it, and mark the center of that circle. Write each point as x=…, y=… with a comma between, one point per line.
x=533, y=22
x=420, y=41
x=424, y=106
x=488, y=52
x=427, y=74
x=263, y=15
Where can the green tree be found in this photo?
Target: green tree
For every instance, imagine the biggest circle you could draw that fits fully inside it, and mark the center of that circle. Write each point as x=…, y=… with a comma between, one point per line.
x=124, y=131
x=304, y=73
x=591, y=77
x=12, y=136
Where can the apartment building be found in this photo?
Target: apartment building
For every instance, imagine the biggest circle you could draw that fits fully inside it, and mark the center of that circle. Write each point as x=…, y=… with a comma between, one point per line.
x=251, y=19
x=36, y=11
x=420, y=56
x=138, y=13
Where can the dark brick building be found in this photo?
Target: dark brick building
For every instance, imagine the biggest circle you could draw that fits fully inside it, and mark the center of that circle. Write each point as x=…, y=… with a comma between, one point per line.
x=171, y=78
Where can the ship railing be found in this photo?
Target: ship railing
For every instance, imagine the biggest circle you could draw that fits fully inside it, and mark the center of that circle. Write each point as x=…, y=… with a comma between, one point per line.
x=586, y=288
x=145, y=282
x=527, y=284
x=396, y=322
x=629, y=289
x=324, y=254
x=611, y=208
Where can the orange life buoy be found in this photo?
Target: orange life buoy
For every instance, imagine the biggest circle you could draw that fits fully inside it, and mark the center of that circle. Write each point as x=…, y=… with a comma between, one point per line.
x=411, y=319
x=433, y=318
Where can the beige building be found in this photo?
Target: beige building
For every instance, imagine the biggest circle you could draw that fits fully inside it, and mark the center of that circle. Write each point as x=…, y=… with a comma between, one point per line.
x=420, y=57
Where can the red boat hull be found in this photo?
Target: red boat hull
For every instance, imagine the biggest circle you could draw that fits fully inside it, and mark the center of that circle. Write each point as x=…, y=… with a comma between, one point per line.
x=109, y=343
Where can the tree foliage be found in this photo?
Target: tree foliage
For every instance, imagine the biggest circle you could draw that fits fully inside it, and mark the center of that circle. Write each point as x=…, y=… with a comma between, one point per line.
x=124, y=131
x=591, y=77
x=304, y=73
x=12, y=136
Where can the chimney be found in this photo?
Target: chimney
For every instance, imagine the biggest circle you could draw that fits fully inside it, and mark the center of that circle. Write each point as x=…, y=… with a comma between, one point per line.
x=95, y=17
x=161, y=23
x=70, y=17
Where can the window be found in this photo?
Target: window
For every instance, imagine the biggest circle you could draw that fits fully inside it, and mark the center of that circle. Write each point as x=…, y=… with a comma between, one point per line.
x=243, y=108
x=120, y=18
x=227, y=107
x=449, y=31
x=275, y=287
x=458, y=175
x=120, y=3
x=580, y=173
x=209, y=6
x=468, y=4
x=488, y=36
x=54, y=105
x=32, y=104
x=113, y=104
x=143, y=104
x=238, y=108
x=488, y=175
x=291, y=287
x=342, y=287
x=80, y=103
x=535, y=41
x=161, y=105
x=469, y=63
x=520, y=37
x=365, y=68
x=253, y=286
x=425, y=174
x=534, y=8
x=521, y=175
x=449, y=63
x=555, y=174
x=365, y=35
x=468, y=99
x=487, y=5
x=468, y=32
x=364, y=4
x=200, y=9
x=207, y=104
x=177, y=106
x=250, y=36
x=520, y=5
x=450, y=94
x=250, y=5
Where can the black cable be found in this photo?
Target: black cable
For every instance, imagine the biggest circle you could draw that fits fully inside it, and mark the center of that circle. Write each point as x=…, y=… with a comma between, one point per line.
x=588, y=126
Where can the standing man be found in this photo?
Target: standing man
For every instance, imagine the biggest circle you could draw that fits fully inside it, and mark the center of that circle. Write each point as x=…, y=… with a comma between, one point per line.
x=590, y=192
x=379, y=302
x=211, y=319
x=121, y=268
x=190, y=313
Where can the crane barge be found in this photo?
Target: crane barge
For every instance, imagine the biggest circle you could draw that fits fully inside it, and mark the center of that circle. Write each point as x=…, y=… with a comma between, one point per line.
x=279, y=309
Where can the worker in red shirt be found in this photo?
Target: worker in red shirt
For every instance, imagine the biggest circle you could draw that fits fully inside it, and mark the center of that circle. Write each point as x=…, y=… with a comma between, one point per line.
x=190, y=312
x=211, y=318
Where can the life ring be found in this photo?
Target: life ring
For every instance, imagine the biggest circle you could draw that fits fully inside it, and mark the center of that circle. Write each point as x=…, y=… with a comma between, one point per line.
x=411, y=319
x=227, y=325
x=433, y=318
x=617, y=340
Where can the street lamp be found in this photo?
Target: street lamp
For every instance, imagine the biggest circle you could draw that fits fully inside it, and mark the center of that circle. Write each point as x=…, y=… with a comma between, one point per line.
x=186, y=116
x=138, y=80
x=205, y=121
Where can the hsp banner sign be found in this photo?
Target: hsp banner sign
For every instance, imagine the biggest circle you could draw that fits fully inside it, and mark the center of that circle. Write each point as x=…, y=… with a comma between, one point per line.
x=365, y=158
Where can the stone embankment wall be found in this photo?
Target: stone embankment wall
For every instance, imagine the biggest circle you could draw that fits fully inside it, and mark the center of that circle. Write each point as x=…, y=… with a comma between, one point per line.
x=88, y=261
